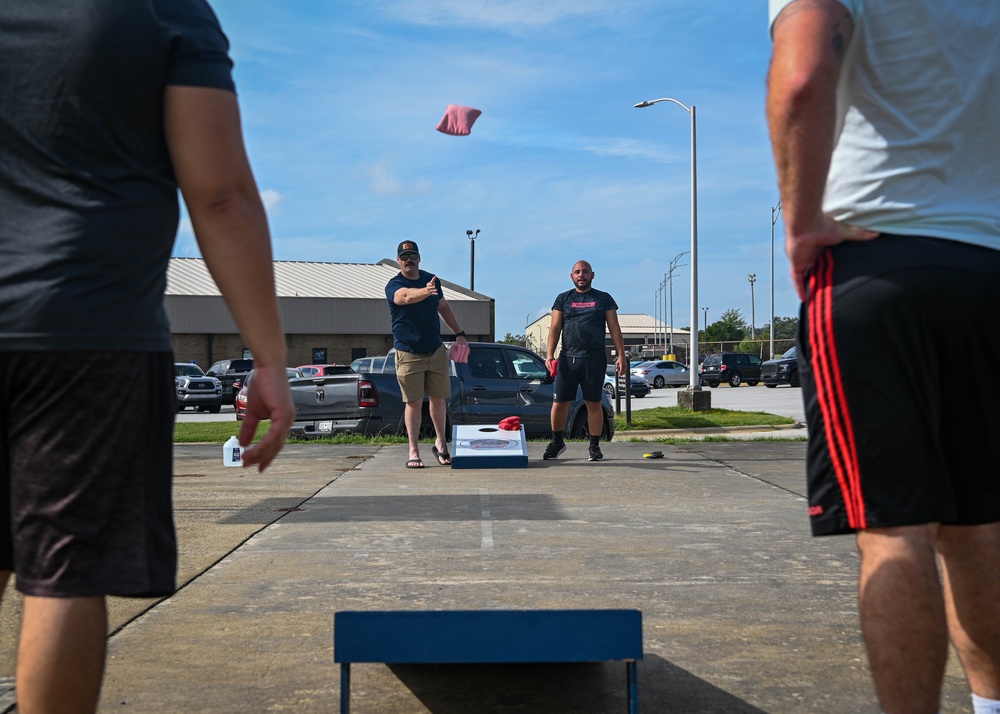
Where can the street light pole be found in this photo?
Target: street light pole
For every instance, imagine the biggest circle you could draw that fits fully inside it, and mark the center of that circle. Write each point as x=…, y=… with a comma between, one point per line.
x=693, y=384
x=673, y=266
x=472, y=258
x=705, y=310
x=752, y=277
x=775, y=210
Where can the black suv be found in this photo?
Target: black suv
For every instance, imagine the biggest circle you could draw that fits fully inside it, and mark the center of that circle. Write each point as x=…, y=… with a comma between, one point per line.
x=783, y=370
x=732, y=367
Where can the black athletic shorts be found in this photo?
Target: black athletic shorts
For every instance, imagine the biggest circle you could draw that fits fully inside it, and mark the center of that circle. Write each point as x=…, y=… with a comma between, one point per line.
x=86, y=469
x=585, y=372
x=899, y=356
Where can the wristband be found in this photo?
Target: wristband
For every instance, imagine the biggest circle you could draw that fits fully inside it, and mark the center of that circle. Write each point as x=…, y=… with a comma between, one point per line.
x=460, y=333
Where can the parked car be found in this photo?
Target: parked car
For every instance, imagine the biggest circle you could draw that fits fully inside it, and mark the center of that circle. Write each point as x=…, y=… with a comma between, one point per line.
x=783, y=370
x=231, y=372
x=664, y=373
x=732, y=367
x=311, y=370
x=639, y=386
x=498, y=381
x=194, y=388
x=375, y=365
x=241, y=396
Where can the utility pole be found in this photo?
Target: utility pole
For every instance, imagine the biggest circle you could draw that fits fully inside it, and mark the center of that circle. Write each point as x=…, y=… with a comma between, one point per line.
x=752, y=277
x=472, y=258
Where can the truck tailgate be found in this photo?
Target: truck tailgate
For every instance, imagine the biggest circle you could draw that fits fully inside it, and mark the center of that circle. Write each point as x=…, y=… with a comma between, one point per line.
x=329, y=397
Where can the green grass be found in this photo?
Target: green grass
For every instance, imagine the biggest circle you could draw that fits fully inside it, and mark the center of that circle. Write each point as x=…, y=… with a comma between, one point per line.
x=681, y=418
x=217, y=432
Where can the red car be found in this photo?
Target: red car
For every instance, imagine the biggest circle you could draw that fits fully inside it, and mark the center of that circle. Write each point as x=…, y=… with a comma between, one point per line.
x=323, y=370
x=241, y=396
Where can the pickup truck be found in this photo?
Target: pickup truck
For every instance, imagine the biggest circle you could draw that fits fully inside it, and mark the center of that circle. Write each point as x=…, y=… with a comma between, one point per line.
x=232, y=373
x=498, y=381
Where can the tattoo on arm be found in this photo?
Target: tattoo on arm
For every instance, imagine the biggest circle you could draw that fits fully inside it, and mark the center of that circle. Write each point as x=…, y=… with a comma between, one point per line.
x=843, y=26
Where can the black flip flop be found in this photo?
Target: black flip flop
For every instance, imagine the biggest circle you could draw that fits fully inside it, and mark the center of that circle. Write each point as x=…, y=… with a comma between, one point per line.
x=414, y=464
x=443, y=457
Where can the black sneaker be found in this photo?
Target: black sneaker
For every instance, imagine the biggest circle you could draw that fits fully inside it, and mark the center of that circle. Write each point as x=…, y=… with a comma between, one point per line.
x=554, y=449
x=595, y=453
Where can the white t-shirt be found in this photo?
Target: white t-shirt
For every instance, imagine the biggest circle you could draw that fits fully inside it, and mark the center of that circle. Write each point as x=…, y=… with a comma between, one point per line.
x=918, y=144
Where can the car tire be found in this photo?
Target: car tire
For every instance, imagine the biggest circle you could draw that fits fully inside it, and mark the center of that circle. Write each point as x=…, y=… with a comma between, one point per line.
x=752, y=384
x=713, y=385
x=770, y=386
x=180, y=408
x=639, y=396
x=658, y=382
x=610, y=390
x=215, y=409
x=793, y=381
x=735, y=379
x=581, y=430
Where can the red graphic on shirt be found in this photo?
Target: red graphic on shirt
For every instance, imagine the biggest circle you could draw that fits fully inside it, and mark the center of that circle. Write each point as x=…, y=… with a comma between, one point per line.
x=583, y=304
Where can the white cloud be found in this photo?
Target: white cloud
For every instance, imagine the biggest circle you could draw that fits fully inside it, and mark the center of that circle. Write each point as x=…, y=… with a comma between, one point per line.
x=270, y=198
x=502, y=14
x=384, y=181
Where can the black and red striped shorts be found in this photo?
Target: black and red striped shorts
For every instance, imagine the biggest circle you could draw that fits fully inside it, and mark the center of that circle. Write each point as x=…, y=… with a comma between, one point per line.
x=899, y=358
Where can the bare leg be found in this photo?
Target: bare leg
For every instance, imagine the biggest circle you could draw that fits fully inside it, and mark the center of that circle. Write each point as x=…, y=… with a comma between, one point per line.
x=560, y=410
x=595, y=418
x=970, y=561
x=438, y=418
x=60, y=661
x=903, y=617
x=412, y=419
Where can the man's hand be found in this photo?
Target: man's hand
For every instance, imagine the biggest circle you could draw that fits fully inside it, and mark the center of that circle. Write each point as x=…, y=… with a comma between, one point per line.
x=431, y=289
x=268, y=397
x=804, y=248
x=622, y=365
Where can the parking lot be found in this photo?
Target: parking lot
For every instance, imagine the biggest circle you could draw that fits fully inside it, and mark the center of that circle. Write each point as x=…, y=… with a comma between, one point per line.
x=786, y=401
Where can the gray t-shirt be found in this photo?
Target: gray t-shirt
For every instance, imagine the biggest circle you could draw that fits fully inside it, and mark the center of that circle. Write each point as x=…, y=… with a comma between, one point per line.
x=88, y=198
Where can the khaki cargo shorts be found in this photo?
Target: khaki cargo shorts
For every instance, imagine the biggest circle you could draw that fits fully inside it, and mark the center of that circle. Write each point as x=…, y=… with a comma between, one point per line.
x=419, y=374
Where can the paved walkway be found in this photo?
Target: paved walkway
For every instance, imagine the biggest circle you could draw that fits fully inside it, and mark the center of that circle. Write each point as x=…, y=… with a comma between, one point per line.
x=742, y=610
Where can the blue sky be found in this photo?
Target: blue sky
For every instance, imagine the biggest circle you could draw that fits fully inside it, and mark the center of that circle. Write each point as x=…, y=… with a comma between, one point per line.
x=340, y=101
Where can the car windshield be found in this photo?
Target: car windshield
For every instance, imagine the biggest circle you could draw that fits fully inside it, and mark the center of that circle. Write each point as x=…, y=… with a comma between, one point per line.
x=188, y=370
x=789, y=354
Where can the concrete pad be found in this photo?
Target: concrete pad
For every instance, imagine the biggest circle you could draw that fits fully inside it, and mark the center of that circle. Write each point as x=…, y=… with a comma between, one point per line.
x=742, y=610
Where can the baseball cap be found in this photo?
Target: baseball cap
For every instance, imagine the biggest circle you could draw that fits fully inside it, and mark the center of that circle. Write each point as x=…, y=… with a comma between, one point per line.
x=407, y=246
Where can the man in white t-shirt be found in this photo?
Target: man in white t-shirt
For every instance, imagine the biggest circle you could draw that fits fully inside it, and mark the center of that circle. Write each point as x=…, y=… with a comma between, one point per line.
x=885, y=122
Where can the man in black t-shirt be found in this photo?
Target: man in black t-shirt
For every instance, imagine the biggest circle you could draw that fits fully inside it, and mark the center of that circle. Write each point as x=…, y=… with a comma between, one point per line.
x=579, y=316
x=107, y=108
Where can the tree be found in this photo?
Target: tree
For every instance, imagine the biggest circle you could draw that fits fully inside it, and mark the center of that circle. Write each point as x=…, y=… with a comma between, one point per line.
x=731, y=327
x=520, y=340
x=785, y=328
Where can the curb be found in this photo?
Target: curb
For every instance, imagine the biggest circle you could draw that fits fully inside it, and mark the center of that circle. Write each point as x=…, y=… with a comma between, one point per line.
x=650, y=434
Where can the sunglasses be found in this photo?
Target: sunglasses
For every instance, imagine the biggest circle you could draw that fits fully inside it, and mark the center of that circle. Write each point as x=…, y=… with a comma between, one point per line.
x=409, y=256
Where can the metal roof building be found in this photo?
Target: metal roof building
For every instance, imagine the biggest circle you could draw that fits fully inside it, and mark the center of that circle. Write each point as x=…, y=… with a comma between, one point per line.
x=337, y=307
x=644, y=336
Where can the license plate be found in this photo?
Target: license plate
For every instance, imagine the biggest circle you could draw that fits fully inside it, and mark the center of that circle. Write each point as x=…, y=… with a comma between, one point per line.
x=326, y=426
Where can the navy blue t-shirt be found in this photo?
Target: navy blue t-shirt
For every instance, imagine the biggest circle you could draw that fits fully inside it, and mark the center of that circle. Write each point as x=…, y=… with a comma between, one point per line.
x=416, y=327
x=583, y=320
x=88, y=198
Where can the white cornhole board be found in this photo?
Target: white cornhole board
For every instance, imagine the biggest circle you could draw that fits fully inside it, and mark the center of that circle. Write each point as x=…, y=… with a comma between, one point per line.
x=485, y=446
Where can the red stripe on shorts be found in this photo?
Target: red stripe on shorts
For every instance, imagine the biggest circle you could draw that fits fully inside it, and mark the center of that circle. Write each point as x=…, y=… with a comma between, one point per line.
x=830, y=390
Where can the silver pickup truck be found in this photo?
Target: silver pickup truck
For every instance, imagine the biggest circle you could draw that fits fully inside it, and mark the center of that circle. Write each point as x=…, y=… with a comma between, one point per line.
x=498, y=381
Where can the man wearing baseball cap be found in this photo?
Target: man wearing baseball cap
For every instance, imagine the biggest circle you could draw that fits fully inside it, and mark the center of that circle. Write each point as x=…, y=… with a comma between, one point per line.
x=416, y=307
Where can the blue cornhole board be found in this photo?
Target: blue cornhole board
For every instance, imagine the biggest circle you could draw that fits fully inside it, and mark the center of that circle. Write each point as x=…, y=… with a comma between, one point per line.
x=487, y=637
x=485, y=446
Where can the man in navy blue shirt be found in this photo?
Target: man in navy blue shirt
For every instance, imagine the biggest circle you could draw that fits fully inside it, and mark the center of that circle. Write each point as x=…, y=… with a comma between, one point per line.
x=416, y=307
